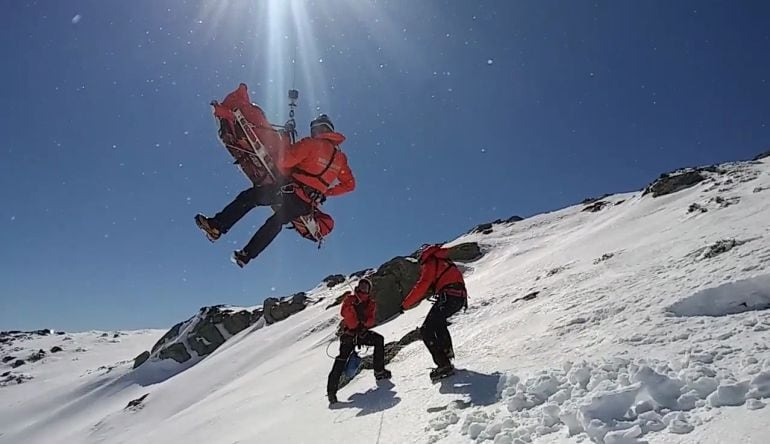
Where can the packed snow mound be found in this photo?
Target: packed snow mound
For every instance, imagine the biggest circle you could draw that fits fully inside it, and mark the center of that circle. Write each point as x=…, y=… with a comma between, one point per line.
x=620, y=324
x=727, y=299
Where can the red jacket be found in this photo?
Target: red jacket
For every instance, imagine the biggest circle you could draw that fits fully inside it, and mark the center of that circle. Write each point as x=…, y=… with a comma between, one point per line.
x=318, y=163
x=435, y=271
x=358, y=310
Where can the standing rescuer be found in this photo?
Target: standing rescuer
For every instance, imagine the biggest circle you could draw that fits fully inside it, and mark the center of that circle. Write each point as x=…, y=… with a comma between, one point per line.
x=358, y=316
x=442, y=282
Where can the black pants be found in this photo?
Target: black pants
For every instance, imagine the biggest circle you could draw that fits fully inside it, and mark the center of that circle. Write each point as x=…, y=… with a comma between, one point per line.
x=347, y=344
x=434, y=331
x=291, y=207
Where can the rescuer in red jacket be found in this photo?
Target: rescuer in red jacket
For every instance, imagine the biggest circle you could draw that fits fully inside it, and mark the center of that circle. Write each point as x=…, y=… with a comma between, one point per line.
x=358, y=316
x=441, y=281
x=314, y=169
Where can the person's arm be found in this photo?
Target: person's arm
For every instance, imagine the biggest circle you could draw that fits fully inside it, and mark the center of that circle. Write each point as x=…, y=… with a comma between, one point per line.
x=371, y=314
x=421, y=287
x=349, y=317
x=347, y=182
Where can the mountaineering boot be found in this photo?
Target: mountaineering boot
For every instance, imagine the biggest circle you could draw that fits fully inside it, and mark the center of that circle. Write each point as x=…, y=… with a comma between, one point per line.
x=442, y=372
x=332, y=398
x=382, y=374
x=240, y=258
x=203, y=223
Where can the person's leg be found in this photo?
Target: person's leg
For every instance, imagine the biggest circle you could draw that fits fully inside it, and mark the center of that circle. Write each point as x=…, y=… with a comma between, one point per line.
x=448, y=307
x=242, y=204
x=429, y=333
x=378, y=342
x=347, y=343
x=291, y=208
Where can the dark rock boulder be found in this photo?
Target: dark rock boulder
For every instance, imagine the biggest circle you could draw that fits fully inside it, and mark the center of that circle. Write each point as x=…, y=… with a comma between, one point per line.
x=55, y=349
x=674, y=182
x=38, y=355
x=279, y=309
x=136, y=404
x=596, y=207
x=176, y=351
x=483, y=228
x=18, y=363
x=590, y=200
x=141, y=359
x=8, y=359
x=334, y=280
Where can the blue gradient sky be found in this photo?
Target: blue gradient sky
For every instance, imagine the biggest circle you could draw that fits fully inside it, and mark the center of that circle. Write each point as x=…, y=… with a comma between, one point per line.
x=456, y=113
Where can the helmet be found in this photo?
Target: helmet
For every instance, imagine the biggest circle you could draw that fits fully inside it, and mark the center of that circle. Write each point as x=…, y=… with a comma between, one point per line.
x=427, y=251
x=322, y=120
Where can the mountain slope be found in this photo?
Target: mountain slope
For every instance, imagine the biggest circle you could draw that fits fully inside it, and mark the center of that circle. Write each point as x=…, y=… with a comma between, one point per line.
x=642, y=319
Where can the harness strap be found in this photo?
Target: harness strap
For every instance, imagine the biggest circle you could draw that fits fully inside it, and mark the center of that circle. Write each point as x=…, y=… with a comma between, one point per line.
x=319, y=176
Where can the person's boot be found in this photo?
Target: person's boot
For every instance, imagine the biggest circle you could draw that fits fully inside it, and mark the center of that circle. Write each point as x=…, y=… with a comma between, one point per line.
x=332, y=399
x=204, y=223
x=240, y=258
x=442, y=372
x=382, y=374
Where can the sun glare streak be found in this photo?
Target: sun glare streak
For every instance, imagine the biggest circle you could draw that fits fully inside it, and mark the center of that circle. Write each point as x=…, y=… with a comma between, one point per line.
x=310, y=60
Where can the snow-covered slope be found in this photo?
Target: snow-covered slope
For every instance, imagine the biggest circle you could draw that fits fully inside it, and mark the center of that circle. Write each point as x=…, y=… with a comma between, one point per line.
x=640, y=322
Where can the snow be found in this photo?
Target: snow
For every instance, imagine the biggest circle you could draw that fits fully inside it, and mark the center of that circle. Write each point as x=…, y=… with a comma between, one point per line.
x=643, y=327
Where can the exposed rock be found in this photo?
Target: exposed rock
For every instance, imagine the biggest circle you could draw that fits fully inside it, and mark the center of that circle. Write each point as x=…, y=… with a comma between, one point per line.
x=43, y=332
x=362, y=273
x=141, y=359
x=596, y=206
x=487, y=228
x=605, y=257
x=763, y=155
x=38, y=355
x=5, y=374
x=60, y=333
x=18, y=363
x=172, y=333
x=482, y=228
x=8, y=359
x=591, y=200
x=277, y=310
x=697, y=207
x=337, y=301
x=465, y=252
x=176, y=351
x=719, y=247
x=669, y=183
x=56, y=349
x=136, y=404
x=104, y=335
x=334, y=280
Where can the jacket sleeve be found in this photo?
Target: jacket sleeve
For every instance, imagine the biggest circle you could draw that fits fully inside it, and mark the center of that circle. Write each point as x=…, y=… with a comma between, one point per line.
x=348, y=312
x=347, y=182
x=294, y=155
x=371, y=311
x=427, y=275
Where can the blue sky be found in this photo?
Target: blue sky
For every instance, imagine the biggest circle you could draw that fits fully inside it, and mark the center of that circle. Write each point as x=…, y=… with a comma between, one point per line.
x=456, y=113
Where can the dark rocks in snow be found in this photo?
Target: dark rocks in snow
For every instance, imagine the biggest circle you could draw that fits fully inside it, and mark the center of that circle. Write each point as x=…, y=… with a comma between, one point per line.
x=717, y=248
x=18, y=363
x=141, y=359
x=487, y=228
x=104, y=335
x=764, y=155
x=55, y=349
x=528, y=297
x=38, y=355
x=333, y=280
x=726, y=202
x=276, y=310
x=8, y=359
x=669, y=183
x=5, y=374
x=176, y=351
x=591, y=200
x=483, y=228
x=361, y=273
x=136, y=404
x=696, y=207
x=60, y=333
x=596, y=206
x=605, y=257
